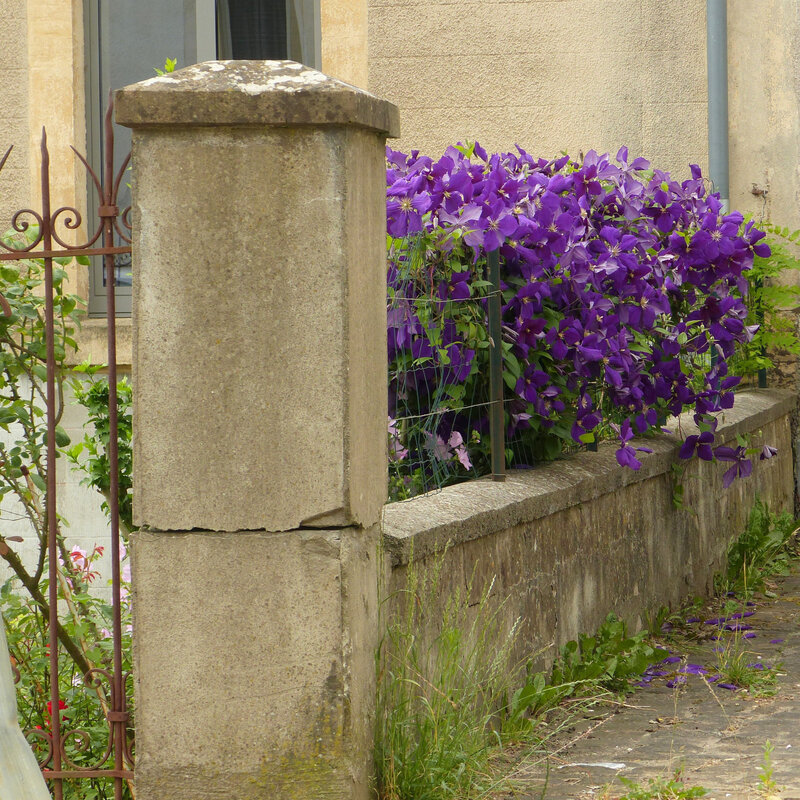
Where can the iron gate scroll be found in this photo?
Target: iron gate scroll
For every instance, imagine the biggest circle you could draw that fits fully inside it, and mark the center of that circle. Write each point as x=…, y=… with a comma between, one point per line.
x=54, y=227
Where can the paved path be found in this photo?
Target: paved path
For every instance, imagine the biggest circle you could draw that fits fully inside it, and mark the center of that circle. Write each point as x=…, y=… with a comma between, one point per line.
x=717, y=736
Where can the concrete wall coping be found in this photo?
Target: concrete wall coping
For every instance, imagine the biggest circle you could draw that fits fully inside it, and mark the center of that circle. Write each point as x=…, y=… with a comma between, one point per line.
x=233, y=93
x=471, y=510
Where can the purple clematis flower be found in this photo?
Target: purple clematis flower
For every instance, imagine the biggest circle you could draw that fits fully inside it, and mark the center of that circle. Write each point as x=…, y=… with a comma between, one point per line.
x=742, y=465
x=692, y=669
x=614, y=281
x=493, y=227
x=626, y=455
x=700, y=444
x=405, y=209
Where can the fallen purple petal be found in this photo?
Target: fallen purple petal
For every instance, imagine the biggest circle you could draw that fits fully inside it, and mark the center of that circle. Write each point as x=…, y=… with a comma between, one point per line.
x=755, y=665
x=736, y=627
x=729, y=686
x=693, y=619
x=714, y=678
x=776, y=641
x=692, y=669
x=679, y=681
x=671, y=660
x=750, y=635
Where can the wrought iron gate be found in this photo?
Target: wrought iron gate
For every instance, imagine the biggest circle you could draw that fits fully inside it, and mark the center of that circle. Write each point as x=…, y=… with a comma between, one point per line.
x=45, y=236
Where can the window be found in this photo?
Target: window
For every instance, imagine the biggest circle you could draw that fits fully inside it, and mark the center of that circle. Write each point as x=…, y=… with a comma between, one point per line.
x=126, y=40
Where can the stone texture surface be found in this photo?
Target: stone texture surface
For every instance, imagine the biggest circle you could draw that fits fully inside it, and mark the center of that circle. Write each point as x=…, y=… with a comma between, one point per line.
x=254, y=663
x=54, y=72
x=15, y=177
x=93, y=342
x=344, y=40
x=717, y=737
x=764, y=130
x=568, y=542
x=764, y=109
x=552, y=75
x=259, y=341
x=252, y=93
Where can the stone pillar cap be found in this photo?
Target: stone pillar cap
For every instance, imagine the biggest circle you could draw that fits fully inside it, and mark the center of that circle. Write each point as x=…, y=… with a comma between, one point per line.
x=252, y=93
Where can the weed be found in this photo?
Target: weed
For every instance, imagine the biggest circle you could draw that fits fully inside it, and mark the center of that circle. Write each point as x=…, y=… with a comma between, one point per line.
x=441, y=703
x=740, y=668
x=763, y=549
x=661, y=789
x=447, y=706
x=767, y=788
x=663, y=620
x=608, y=659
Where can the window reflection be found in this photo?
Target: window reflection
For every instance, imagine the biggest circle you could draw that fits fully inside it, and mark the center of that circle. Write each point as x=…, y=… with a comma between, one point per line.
x=268, y=29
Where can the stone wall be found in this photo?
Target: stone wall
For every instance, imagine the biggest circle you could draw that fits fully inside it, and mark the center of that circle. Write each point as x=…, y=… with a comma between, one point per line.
x=549, y=75
x=14, y=106
x=572, y=540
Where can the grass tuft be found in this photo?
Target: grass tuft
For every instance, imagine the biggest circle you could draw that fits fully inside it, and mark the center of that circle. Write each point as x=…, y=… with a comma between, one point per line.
x=441, y=703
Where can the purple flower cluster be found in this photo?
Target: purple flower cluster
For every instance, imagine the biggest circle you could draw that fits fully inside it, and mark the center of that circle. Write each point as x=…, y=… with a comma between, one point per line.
x=623, y=293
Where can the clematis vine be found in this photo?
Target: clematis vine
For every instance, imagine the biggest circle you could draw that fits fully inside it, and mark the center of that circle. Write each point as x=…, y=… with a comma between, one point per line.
x=623, y=301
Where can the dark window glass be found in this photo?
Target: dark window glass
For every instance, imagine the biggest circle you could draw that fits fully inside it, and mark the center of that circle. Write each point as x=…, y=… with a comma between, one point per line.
x=252, y=29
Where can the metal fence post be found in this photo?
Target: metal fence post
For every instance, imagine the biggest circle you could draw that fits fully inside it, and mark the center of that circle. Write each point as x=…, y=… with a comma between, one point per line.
x=762, y=373
x=496, y=410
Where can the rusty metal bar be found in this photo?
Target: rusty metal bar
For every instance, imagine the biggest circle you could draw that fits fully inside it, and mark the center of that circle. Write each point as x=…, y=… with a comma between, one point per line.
x=123, y=774
x=92, y=251
x=50, y=499
x=118, y=716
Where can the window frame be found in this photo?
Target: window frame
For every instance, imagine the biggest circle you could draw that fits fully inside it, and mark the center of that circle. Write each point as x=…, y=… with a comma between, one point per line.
x=200, y=44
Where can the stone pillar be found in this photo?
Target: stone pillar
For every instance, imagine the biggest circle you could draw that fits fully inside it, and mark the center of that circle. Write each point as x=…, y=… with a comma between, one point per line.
x=259, y=372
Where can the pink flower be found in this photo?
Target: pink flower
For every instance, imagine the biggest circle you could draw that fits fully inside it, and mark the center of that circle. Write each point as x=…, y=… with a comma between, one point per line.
x=456, y=441
x=79, y=558
x=397, y=451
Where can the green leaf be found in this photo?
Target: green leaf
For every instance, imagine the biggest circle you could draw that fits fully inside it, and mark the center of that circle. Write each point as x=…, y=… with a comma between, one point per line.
x=38, y=481
x=62, y=437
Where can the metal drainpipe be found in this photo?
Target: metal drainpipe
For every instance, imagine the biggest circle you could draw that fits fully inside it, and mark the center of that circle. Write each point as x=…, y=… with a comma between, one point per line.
x=717, y=58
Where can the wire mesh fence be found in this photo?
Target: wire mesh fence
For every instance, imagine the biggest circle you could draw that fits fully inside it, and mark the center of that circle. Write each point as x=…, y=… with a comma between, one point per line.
x=439, y=402
x=457, y=407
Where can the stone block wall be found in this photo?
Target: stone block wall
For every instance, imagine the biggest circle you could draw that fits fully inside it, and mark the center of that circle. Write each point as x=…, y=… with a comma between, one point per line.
x=570, y=541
